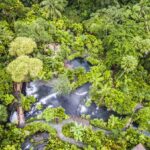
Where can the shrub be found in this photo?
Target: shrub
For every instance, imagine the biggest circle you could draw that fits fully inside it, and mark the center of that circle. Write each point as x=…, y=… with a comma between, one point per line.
x=3, y=113
x=62, y=85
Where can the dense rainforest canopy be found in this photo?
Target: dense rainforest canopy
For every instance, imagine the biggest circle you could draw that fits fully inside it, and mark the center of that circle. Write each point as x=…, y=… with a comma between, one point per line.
x=38, y=39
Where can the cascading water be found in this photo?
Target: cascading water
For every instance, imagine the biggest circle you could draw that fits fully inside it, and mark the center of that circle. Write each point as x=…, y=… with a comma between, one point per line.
x=74, y=103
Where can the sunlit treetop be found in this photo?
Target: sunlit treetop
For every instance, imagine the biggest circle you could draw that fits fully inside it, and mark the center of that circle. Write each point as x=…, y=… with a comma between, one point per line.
x=142, y=44
x=21, y=46
x=129, y=63
x=23, y=68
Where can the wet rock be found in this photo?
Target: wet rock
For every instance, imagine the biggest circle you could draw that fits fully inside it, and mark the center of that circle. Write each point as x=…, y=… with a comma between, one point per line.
x=67, y=64
x=80, y=62
x=36, y=142
x=40, y=147
x=138, y=107
x=139, y=147
x=27, y=145
x=53, y=46
x=40, y=137
x=14, y=118
x=77, y=62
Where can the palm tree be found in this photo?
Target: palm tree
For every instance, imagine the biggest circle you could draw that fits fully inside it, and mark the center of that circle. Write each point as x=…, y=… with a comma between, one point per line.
x=78, y=131
x=53, y=8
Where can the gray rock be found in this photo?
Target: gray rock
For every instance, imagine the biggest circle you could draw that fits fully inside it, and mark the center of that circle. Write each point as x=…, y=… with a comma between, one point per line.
x=40, y=137
x=14, y=118
x=139, y=147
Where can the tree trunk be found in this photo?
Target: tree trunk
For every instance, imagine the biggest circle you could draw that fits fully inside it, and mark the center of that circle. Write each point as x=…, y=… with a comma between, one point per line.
x=17, y=93
x=21, y=119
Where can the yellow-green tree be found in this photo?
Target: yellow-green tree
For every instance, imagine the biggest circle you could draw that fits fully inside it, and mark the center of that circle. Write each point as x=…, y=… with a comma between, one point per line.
x=22, y=69
x=21, y=46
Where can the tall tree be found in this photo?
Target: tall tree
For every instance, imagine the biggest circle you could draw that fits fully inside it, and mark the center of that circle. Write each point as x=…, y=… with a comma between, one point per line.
x=22, y=69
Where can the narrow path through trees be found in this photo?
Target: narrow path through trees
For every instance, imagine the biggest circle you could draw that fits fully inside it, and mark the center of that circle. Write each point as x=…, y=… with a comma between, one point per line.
x=84, y=122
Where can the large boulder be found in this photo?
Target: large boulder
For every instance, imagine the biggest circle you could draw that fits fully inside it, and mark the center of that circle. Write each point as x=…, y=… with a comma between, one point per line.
x=139, y=147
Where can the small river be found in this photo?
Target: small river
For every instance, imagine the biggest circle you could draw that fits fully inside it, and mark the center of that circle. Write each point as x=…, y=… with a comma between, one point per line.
x=74, y=103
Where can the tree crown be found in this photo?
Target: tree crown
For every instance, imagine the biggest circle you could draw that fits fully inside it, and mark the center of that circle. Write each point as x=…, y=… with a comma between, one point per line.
x=24, y=67
x=21, y=46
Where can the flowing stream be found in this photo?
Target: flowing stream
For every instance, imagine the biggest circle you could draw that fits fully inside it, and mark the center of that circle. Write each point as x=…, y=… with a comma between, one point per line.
x=75, y=104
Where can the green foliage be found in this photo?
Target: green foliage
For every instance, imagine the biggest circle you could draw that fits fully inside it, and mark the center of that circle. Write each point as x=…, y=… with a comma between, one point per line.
x=12, y=136
x=50, y=114
x=77, y=131
x=27, y=102
x=35, y=127
x=77, y=28
x=30, y=2
x=88, y=45
x=133, y=138
x=93, y=138
x=118, y=101
x=67, y=130
x=98, y=123
x=53, y=8
x=11, y=9
x=51, y=67
x=112, y=35
x=62, y=85
x=64, y=37
x=9, y=147
x=7, y=99
x=129, y=63
x=65, y=51
x=3, y=113
x=56, y=143
x=15, y=136
x=6, y=36
x=143, y=118
x=39, y=106
x=112, y=123
x=143, y=45
x=23, y=68
x=135, y=83
x=35, y=66
x=21, y=46
x=101, y=83
x=5, y=82
x=88, y=148
x=60, y=24
x=116, y=123
x=36, y=29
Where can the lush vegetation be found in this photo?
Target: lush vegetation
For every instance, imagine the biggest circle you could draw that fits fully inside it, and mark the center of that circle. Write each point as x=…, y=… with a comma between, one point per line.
x=38, y=37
